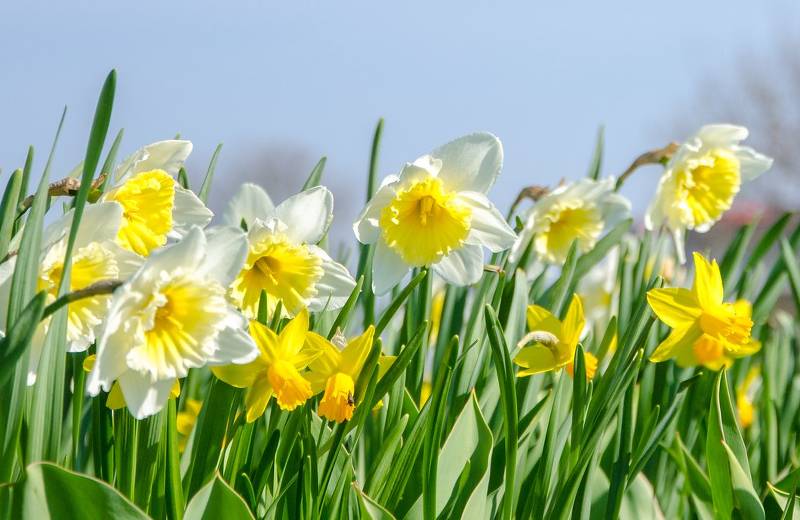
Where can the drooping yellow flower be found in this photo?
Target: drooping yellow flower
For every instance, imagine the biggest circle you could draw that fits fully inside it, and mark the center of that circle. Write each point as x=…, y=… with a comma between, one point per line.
x=590, y=362
x=555, y=340
x=705, y=330
x=701, y=180
x=277, y=370
x=283, y=260
x=745, y=395
x=185, y=421
x=155, y=206
x=336, y=372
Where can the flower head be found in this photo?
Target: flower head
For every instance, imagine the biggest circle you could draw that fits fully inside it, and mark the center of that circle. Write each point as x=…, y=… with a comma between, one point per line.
x=172, y=315
x=701, y=180
x=277, y=370
x=705, y=330
x=155, y=206
x=435, y=213
x=574, y=211
x=336, y=372
x=283, y=259
x=554, y=340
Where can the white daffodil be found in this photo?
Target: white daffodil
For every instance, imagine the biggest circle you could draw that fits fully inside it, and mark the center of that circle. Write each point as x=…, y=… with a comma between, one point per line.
x=155, y=206
x=95, y=257
x=579, y=211
x=172, y=315
x=435, y=213
x=283, y=259
x=701, y=180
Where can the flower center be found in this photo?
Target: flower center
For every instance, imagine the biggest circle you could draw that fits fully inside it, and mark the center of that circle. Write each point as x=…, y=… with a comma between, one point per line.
x=291, y=389
x=185, y=316
x=708, y=350
x=708, y=186
x=562, y=226
x=286, y=271
x=147, y=200
x=423, y=223
x=338, y=402
x=725, y=323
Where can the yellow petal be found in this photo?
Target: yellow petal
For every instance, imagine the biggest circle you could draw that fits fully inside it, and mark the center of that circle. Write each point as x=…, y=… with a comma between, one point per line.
x=240, y=376
x=355, y=353
x=88, y=363
x=535, y=360
x=707, y=282
x=115, y=399
x=266, y=341
x=256, y=399
x=574, y=322
x=678, y=308
x=677, y=345
x=293, y=335
x=175, y=391
x=540, y=318
x=384, y=363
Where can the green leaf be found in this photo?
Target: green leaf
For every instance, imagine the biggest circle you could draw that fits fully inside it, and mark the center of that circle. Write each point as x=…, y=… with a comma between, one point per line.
x=50, y=491
x=19, y=336
x=597, y=157
x=315, y=177
x=788, y=502
x=744, y=495
x=369, y=508
x=8, y=210
x=217, y=500
x=212, y=165
x=639, y=500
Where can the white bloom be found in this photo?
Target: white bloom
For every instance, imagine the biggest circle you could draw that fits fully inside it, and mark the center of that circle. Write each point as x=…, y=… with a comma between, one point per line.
x=283, y=259
x=95, y=257
x=156, y=206
x=172, y=315
x=579, y=211
x=701, y=180
x=436, y=213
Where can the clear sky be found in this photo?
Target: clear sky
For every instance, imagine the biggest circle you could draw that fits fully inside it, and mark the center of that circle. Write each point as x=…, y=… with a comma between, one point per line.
x=316, y=76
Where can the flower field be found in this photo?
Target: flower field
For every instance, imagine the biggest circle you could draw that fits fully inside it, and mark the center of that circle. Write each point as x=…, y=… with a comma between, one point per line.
x=459, y=360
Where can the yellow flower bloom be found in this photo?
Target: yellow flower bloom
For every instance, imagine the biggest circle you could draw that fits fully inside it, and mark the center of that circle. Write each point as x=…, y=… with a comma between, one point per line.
x=701, y=180
x=556, y=340
x=590, y=360
x=336, y=372
x=277, y=369
x=705, y=330
x=185, y=421
x=745, y=395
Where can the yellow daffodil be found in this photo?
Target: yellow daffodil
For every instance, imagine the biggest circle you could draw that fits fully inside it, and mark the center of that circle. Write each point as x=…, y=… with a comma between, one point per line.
x=745, y=395
x=590, y=361
x=573, y=211
x=701, y=180
x=336, y=371
x=705, y=330
x=277, y=370
x=436, y=213
x=554, y=340
x=185, y=421
x=155, y=206
x=115, y=399
x=95, y=257
x=283, y=259
x=425, y=393
x=172, y=315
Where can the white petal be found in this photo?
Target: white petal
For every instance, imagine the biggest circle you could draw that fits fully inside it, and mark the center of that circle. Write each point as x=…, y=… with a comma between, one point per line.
x=461, y=267
x=387, y=269
x=752, y=163
x=143, y=397
x=188, y=253
x=424, y=167
x=721, y=135
x=367, y=225
x=334, y=287
x=234, y=345
x=128, y=262
x=522, y=241
x=188, y=211
x=116, y=339
x=226, y=251
x=307, y=214
x=164, y=155
x=470, y=163
x=251, y=202
x=487, y=226
x=99, y=222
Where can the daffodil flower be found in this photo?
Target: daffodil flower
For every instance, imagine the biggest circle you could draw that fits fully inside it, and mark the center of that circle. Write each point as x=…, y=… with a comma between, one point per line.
x=745, y=394
x=172, y=315
x=701, y=180
x=579, y=211
x=555, y=341
x=435, y=213
x=185, y=421
x=115, y=400
x=277, y=370
x=283, y=259
x=95, y=257
x=705, y=330
x=590, y=362
x=336, y=371
x=155, y=206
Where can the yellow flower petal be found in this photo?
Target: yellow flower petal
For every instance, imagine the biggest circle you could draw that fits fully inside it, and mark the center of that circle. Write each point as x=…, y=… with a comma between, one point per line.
x=707, y=282
x=535, y=360
x=573, y=323
x=540, y=318
x=355, y=353
x=676, y=307
x=678, y=344
x=240, y=376
x=256, y=399
x=339, y=400
x=115, y=399
x=266, y=340
x=293, y=335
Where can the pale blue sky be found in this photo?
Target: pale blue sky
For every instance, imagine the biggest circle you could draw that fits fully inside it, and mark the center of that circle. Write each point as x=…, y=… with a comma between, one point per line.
x=542, y=76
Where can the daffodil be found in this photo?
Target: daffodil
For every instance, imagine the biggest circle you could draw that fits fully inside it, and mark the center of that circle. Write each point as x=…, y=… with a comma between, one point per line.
x=115, y=399
x=554, y=340
x=155, y=206
x=185, y=421
x=705, y=330
x=579, y=211
x=590, y=364
x=435, y=213
x=172, y=315
x=95, y=257
x=336, y=371
x=277, y=370
x=283, y=259
x=701, y=180
x=745, y=395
